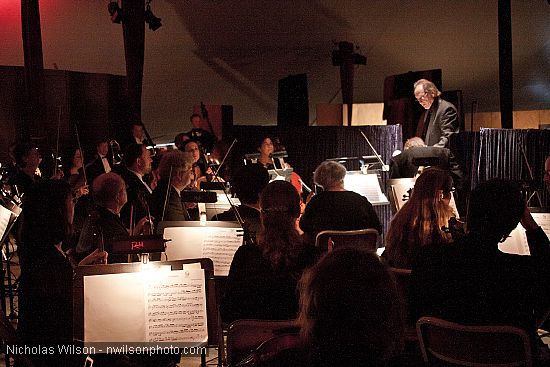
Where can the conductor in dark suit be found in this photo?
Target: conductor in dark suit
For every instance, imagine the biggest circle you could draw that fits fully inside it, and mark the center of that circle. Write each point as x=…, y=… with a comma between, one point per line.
x=417, y=154
x=440, y=120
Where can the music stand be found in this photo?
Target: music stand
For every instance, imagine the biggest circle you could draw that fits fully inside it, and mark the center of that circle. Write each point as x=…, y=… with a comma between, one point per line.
x=8, y=217
x=215, y=338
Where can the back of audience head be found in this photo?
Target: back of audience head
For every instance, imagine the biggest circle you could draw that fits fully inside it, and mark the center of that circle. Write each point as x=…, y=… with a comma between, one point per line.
x=350, y=309
x=249, y=181
x=329, y=174
x=278, y=238
x=109, y=191
x=495, y=208
x=48, y=214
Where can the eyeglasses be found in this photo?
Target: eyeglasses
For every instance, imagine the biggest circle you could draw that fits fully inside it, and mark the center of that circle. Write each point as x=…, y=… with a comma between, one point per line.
x=422, y=97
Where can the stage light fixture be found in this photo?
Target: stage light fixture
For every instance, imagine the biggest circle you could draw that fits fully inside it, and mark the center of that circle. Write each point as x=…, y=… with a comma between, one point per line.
x=151, y=19
x=115, y=11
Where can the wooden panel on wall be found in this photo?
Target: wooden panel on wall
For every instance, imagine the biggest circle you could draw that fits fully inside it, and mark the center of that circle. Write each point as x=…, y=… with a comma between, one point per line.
x=329, y=114
x=526, y=119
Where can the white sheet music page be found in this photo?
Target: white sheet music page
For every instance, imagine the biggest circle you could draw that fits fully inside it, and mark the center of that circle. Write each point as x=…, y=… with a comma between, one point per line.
x=113, y=308
x=5, y=216
x=517, y=242
x=176, y=307
x=220, y=245
x=366, y=185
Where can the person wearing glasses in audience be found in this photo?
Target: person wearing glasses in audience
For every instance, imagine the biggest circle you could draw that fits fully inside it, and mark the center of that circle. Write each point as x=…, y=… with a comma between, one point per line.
x=440, y=120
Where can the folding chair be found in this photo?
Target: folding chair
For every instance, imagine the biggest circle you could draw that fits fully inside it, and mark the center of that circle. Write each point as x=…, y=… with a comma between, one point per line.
x=364, y=238
x=244, y=336
x=445, y=343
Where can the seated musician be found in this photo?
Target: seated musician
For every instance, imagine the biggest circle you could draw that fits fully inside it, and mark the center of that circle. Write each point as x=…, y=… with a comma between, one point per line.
x=473, y=282
x=201, y=170
x=336, y=208
x=248, y=182
x=176, y=173
x=262, y=278
x=104, y=224
x=45, y=288
x=27, y=158
x=419, y=222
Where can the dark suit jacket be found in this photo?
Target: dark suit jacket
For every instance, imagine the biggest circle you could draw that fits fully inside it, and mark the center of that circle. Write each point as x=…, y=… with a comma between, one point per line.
x=101, y=222
x=442, y=124
x=138, y=198
x=175, y=210
x=95, y=168
x=402, y=165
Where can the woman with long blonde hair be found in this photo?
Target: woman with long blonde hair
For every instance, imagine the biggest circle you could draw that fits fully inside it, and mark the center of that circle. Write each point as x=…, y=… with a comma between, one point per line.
x=419, y=221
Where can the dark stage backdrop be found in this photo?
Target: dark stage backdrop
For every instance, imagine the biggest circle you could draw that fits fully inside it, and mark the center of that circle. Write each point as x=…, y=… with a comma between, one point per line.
x=505, y=153
x=308, y=146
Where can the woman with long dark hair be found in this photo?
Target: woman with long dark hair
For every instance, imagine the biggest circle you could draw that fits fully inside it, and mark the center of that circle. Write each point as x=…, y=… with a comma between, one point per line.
x=263, y=276
x=418, y=223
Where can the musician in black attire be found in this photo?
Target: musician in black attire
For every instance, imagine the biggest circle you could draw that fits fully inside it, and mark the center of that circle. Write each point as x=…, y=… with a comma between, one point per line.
x=45, y=289
x=248, y=182
x=102, y=162
x=262, y=278
x=137, y=164
x=335, y=208
x=472, y=282
x=176, y=174
x=104, y=223
x=27, y=158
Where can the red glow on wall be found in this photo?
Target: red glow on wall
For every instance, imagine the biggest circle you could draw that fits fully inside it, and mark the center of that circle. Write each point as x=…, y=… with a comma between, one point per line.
x=10, y=13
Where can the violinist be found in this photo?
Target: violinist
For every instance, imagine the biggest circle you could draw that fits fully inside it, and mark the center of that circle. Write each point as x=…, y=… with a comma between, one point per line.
x=45, y=288
x=418, y=223
x=137, y=164
x=176, y=173
x=202, y=171
x=27, y=158
x=104, y=224
x=101, y=163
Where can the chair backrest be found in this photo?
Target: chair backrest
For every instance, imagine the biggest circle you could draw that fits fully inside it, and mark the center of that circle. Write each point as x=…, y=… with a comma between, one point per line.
x=272, y=348
x=403, y=279
x=445, y=343
x=364, y=238
x=244, y=336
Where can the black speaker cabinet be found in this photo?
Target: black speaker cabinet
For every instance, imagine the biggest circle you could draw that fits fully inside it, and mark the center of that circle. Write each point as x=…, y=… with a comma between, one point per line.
x=293, y=105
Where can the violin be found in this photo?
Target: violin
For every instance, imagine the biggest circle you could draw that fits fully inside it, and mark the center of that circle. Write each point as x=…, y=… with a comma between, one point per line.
x=456, y=228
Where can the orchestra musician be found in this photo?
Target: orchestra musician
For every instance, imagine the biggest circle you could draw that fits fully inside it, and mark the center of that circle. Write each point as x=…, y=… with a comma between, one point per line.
x=137, y=164
x=101, y=163
x=27, y=158
x=176, y=173
x=336, y=208
x=104, y=224
x=263, y=276
x=45, y=288
x=419, y=222
x=201, y=169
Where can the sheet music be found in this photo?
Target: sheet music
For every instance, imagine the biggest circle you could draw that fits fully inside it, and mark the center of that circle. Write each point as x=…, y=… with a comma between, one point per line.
x=216, y=243
x=220, y=245
x=366, y=185
x=5, y=216
x=147, y=306
x=113, y=308
x=517, y=242
x=176, y=307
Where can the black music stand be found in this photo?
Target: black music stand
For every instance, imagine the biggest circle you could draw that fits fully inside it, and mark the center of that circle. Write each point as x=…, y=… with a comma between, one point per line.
x=215, y=337
x=6, y=226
